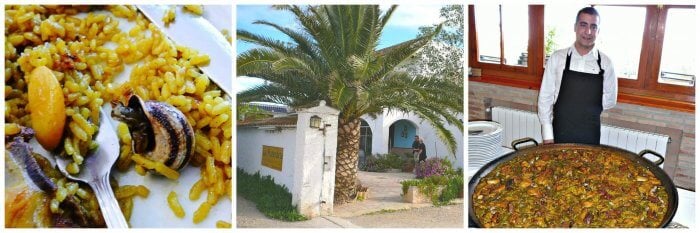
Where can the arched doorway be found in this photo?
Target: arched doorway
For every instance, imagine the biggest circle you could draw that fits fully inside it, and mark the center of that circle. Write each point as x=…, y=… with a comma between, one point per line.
x=365, y=138
x=365, y=143
x=401, y=135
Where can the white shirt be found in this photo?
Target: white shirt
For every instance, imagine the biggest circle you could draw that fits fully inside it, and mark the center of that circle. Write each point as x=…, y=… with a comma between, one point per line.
x=551, y=81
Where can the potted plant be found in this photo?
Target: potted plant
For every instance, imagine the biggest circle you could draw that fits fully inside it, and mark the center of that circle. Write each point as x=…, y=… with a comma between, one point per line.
x=424, y=190
x=362, y=193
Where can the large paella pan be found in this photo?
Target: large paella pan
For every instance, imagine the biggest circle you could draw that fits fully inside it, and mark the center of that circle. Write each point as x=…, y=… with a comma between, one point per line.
x=572, y=185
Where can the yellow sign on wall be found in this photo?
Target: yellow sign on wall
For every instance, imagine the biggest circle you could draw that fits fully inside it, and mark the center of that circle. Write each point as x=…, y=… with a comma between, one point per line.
x=272, y=157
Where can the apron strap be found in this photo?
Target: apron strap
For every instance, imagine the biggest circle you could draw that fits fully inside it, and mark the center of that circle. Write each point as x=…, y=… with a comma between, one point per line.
x=599, y=66
x=568, y=62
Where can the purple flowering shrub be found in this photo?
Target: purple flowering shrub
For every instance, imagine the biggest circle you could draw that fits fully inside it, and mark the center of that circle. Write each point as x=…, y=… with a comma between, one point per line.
x=432, y=167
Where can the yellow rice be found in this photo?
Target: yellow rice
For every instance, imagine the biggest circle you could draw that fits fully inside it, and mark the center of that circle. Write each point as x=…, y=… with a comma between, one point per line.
x=194, y=9
x=223, y=224
x=174, y=205
x=161, y=71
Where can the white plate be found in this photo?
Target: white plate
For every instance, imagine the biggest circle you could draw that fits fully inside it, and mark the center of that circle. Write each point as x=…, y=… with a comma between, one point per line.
x=481, y=156
x=479, y=160
x=484, y=150
x=488, y=128
x=496, y=138
x=154, y=211
x=484, y=140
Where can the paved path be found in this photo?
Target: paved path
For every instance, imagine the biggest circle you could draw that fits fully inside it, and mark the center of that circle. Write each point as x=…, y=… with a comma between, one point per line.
x=427, y=217
x=248, y=216
x=383, y=208
x=384, y=194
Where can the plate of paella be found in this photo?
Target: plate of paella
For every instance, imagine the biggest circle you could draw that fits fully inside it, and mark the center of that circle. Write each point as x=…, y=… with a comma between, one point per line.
x=65, y=65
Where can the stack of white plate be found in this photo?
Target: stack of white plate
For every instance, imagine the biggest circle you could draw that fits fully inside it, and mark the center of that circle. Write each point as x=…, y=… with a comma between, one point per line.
x=485, y=139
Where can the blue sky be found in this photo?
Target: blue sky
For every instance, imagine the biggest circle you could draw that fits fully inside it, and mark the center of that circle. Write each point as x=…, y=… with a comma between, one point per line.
x=402, y=26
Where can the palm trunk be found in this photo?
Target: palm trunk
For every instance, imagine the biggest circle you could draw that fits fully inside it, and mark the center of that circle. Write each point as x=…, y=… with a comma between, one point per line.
x=346, y=160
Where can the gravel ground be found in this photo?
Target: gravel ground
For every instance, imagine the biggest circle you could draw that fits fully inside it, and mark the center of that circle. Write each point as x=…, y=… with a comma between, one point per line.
x=248, y=216
x=450, y=216
x=440, y=217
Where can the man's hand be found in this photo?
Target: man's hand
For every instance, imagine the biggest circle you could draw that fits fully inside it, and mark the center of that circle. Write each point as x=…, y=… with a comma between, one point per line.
x=550, y=141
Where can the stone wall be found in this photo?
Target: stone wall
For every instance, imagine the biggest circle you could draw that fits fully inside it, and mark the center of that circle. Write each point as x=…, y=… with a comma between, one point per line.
x=680, y=164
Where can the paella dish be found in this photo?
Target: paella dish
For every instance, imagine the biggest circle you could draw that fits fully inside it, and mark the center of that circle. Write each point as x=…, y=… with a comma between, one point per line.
x=66, y=64
x=570, y=188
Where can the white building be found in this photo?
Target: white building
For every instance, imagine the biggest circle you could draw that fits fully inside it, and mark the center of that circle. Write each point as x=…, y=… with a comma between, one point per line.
x=298, y=151
x=393, y=131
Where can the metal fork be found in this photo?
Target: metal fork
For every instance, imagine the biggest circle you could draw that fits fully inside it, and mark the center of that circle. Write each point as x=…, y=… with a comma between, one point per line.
x=95, y=172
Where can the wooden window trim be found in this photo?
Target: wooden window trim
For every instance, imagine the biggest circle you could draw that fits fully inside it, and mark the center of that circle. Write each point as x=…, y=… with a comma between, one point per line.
x=652, y=78
x=645, y=91
x=644, y=53
x=531, y=73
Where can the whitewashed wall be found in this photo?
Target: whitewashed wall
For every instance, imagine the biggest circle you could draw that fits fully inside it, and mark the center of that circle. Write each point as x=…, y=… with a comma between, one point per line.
x=249, y=152
x=308, y=163
x=315, y=165
x=434, y=146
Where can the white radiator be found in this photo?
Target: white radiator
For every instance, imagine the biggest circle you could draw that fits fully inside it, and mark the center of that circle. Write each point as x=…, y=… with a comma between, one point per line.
x=517, y=124
x=520, y=124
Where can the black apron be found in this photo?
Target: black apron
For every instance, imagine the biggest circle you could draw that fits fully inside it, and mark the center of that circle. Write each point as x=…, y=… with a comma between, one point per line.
x=578, y=107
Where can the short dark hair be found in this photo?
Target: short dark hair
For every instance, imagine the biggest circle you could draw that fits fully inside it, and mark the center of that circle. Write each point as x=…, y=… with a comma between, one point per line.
x=587, y=10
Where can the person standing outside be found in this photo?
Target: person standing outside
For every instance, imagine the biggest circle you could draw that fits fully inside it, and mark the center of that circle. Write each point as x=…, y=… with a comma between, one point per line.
x=416, y=147
x=579, y=82
x=422, y=151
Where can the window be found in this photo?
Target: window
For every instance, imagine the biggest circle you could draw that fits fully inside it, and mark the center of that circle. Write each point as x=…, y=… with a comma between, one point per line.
x=617, y=38
x=506, y=49
x=652, y=48
x=490, y=49
x=513, y=34
x=515, y=28
x=559, y=27
x=365, y=138
x=620, y=39
x=678, y=54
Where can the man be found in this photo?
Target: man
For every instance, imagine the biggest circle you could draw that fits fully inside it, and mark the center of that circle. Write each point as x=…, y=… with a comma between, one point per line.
x=422, y=155
x=416, y=147
x=579, y=82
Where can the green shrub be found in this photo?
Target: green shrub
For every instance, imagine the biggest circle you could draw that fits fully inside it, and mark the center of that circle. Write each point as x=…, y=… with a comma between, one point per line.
x=408, y=183
x=452, y=181
x=382, y=162
x=393, y=161
x=432, y=167
x=271, y=199
x=455, y=186
x=369, y=164
x=409, y=164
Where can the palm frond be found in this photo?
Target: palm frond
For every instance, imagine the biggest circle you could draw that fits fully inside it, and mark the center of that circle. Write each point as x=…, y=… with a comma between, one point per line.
x=333, y=56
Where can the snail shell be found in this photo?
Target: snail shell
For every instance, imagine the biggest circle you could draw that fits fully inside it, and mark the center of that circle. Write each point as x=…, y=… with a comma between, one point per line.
x=159, y=131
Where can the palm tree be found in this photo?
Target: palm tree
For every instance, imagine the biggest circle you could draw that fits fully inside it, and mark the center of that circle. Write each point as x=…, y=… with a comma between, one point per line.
x=334, y=57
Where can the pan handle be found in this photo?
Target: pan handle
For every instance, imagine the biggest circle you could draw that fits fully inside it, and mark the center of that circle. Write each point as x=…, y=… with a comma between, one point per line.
x=521, y=141
x=657, y=162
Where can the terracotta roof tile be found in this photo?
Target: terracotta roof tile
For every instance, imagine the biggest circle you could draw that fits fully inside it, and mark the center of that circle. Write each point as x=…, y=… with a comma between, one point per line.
x=275, y=121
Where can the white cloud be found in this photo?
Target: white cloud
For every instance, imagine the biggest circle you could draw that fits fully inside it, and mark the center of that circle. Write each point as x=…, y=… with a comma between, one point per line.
x=414, y=16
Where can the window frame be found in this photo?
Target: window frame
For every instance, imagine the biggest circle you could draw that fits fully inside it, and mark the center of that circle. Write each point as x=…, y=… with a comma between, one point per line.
x=656, y=56
x=645, y=90
x=529, y=76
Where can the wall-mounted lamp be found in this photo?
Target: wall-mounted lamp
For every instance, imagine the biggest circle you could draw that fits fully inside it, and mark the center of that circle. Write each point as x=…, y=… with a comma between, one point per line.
x=315, y=122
